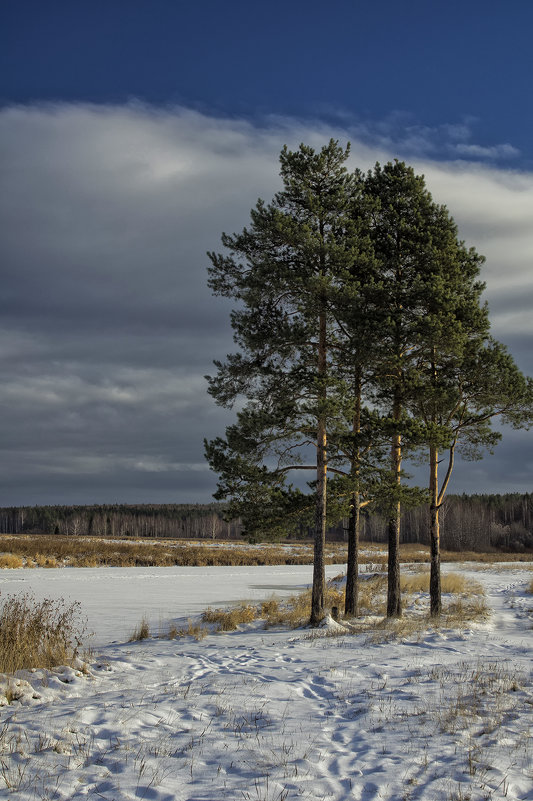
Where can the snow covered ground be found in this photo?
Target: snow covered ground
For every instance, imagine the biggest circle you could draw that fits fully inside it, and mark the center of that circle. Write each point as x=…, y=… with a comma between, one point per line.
x=268, y=715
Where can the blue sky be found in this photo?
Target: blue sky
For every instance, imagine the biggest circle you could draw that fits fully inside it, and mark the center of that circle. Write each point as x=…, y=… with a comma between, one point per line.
x=460, y=69
x=133, y=133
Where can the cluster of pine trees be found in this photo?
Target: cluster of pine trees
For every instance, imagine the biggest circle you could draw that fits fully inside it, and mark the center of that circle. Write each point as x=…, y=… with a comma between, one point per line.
x=362, y=338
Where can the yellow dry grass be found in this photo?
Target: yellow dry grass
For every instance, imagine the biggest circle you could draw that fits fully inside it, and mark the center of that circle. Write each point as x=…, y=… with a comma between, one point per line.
x=140, y=632
x=195, y=630
x=38, y=634
x=230, y=619
x=55, y=551
x=450, y=583
x=76, y=551
x=9, y=560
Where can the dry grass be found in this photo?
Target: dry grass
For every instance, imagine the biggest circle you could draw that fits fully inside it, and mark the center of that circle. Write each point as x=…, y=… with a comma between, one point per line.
x=195, y=630
x=492, y=557
x=56, y=551
x=10, y=560
x=52, y=551
x=230, y=619
x=461, y=611
x=38, y=634
x=530, y=587
x=45, y=561
x=140, y=632
x=450, y=583
x=467, y=604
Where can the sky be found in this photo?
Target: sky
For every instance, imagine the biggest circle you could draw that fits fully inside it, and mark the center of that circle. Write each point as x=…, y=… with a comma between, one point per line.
x=133, y=134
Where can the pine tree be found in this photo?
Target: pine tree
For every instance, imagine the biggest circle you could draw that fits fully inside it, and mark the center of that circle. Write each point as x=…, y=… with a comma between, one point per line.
x=439, y=374
x=467, y=388
x=287, y=272
x=422, y=267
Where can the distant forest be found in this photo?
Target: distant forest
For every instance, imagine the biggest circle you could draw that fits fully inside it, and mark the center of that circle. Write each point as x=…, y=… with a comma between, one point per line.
x=469, y=522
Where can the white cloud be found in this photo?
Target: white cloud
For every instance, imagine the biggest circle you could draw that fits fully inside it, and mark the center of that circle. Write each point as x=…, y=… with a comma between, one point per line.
x=504, y=151
x=108, y=324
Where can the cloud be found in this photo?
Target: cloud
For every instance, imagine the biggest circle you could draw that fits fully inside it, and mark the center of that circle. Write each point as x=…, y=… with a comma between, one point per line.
x=108, y=326
x=504, y=151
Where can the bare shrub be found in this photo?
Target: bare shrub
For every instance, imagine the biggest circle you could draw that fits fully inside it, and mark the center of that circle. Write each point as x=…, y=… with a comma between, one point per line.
x=39, y=634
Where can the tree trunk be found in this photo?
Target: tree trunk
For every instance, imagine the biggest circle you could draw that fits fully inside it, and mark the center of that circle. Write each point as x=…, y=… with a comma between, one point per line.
x=351, y=605
x=394, y=604
x=319, y=573
x=434, y=580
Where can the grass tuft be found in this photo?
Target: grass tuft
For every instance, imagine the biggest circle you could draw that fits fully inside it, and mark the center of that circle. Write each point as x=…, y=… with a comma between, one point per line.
x=38, y=634
x=230, y=619
x=140, y=632
x=195, y=630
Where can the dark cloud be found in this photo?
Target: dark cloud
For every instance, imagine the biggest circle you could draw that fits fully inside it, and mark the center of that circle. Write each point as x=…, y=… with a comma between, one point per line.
x=108, y=326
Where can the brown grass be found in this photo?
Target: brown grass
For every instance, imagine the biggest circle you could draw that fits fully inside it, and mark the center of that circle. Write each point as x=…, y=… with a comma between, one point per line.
x=56, y=551
x=467, y=604
x=295, y=611
x=530, y=587
x=195, y=630
x=230, y=619
x=38, y=634
x=464, y=610
x=450, y=582
x=10, y=560
x=140, y=632
x=45, y=561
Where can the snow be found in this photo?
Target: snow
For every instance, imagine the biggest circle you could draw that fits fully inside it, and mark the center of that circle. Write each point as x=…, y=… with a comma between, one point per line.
x=268, y=715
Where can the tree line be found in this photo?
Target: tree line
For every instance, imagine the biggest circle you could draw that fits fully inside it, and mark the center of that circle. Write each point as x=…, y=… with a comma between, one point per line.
x=190, y=521
x=470, y=522
x=362, y=340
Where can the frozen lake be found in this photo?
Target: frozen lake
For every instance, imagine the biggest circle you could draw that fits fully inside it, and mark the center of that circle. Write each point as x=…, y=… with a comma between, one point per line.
x=160, y=594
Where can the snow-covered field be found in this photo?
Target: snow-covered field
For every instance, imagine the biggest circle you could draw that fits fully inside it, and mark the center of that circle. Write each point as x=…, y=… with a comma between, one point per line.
x=267, y=715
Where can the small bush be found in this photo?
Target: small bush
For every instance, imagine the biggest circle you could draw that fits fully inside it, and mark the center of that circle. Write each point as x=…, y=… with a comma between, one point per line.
x=38, y=634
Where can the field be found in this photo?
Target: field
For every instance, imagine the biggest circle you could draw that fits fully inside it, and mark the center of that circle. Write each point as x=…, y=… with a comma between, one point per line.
x=395, y=712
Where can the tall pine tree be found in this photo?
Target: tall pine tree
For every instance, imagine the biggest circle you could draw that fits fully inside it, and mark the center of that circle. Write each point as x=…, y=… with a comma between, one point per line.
x=287, y=271
x=423, y=271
